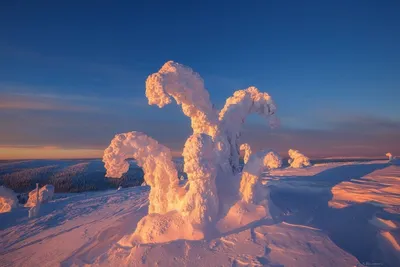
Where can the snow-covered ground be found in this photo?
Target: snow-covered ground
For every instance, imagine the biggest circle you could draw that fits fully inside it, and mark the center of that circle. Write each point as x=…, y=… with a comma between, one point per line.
x=333, y=214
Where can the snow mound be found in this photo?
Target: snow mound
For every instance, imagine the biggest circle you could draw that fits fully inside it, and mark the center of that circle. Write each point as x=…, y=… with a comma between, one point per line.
x=298, y=160
x=45, y=195
x=8, y=200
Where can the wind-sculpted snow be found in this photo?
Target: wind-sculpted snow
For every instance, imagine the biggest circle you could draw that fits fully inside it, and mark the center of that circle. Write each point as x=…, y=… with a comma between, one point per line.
x=250, y=185
x=45, y=195
x=298, y=160
x=247, y=152
x=211, y=157
x=187, y=88
x=8, y=200
x=155, y=159
x=235, y=111
x=200, y=204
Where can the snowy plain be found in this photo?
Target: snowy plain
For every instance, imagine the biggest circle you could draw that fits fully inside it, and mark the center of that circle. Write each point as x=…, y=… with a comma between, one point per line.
x=329, y=214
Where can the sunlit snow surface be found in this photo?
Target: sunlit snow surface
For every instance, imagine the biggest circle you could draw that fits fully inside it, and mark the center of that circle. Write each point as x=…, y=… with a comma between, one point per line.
x=334, y=214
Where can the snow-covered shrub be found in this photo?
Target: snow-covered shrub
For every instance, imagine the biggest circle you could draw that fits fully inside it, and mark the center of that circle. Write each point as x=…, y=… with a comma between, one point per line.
x=250, y=184
x=211, y=156
x=298, y=160
x=390, y=156
x=8, y=200
x=45, y=195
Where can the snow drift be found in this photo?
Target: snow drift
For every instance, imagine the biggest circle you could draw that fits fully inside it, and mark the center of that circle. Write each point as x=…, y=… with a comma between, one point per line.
x=211, y=158
x=45, y=195
x=8, y=200
x=298, y=160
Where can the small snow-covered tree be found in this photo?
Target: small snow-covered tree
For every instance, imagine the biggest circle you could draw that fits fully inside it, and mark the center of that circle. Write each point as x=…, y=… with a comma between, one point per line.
x=298, y=160
x=45, y=195
x=250, y=184
x=211, y=154
x=390, y=156
x=8, y=200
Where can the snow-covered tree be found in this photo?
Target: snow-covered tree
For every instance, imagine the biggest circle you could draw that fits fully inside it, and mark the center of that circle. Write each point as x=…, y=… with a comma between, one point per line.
x=8, y=199
x=250, y=184
x=390, y=156
x=298, y=160
x=211, y=154
x=45, y=195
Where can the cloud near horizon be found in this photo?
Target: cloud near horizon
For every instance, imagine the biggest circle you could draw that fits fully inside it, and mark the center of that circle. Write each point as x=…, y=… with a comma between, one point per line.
x=45, y=134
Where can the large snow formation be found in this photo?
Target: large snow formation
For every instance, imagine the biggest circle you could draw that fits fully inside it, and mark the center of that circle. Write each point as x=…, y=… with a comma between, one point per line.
x=211, y=157
x=298, y=160
x=8, y=200
x=45, y=195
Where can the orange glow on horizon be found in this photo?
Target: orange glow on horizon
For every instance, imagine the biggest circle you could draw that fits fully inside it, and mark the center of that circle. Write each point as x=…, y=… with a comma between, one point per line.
x=53, y=152
x=47, y=152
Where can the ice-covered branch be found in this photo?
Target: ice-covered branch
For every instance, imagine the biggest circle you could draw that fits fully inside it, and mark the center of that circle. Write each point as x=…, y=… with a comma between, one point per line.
x=250, y=185
x=187, y=88
x=8, y=199
x=200, y=204
x=235, y=111
x=247, y=152
x=298, y=160
x=155, y=159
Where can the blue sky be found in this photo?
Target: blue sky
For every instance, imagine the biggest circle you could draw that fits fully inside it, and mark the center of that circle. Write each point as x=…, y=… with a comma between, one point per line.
x=72, y=74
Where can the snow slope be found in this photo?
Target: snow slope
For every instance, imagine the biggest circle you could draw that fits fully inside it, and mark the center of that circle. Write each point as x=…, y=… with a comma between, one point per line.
x=304, y=230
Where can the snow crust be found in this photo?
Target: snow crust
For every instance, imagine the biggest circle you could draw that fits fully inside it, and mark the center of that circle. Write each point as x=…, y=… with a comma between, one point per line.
x=298, y=160
x=8, y=199
x=46, y=194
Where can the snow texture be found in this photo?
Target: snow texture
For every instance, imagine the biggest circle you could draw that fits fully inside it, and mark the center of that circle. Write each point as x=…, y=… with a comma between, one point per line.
x=298, y=160
x=247, y=152
x=8, y=200
x=200, y=204
x=211, y=156
x=84, y=229
x=45, y=195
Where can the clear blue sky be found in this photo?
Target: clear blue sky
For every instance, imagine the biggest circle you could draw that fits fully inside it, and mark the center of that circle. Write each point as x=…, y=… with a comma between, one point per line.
x=72, y=73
